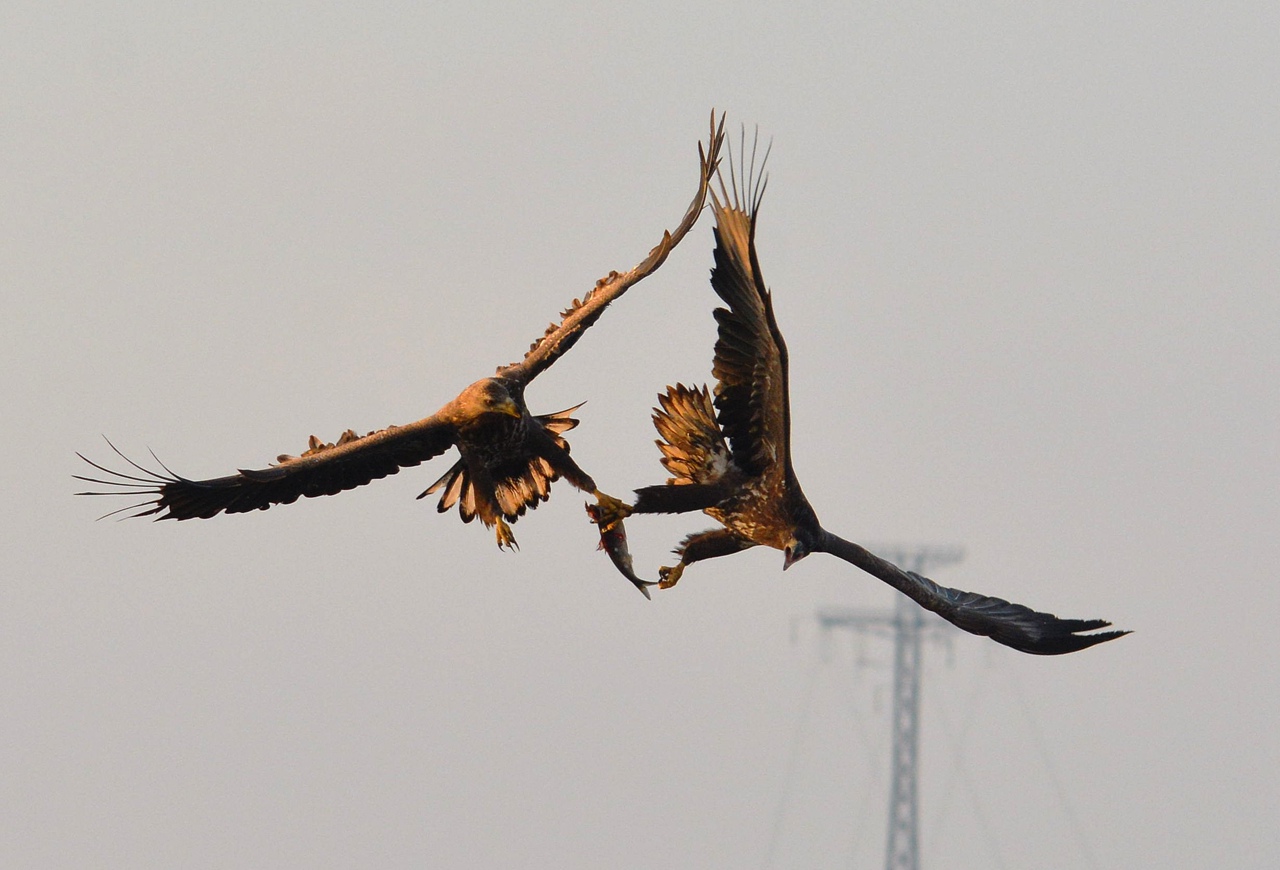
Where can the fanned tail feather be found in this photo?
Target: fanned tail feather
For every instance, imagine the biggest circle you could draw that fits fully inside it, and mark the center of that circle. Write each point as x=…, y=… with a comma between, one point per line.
x=693, y=447
x=515, y=494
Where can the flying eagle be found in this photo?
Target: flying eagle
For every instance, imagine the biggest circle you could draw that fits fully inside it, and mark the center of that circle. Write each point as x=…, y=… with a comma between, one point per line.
x=509, y=456
x=730, y=456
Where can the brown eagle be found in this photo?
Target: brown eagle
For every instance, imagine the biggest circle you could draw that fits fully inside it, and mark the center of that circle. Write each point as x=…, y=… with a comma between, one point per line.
x=508, y=456
x=730, y=456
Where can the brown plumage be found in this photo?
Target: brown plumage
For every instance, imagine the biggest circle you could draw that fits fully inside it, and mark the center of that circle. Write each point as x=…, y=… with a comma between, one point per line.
x=508, y=456
x=731, y=457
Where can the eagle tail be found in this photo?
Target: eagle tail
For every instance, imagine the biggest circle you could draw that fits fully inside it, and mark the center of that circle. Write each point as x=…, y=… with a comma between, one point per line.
x=513, y=494
x=693, y=446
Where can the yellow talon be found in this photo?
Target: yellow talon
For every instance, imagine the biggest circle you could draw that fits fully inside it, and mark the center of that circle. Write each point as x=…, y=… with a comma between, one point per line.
x=506, y=538
x=668, y=577
x=608, y=511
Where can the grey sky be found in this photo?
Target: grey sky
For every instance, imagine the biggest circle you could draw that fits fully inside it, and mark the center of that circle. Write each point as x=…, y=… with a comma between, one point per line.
x=1026, y=264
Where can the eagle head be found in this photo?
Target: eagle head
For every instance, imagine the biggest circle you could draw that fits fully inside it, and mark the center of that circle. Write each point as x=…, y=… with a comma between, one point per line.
x=806, y=538
x=795, y=550
x=490, y=396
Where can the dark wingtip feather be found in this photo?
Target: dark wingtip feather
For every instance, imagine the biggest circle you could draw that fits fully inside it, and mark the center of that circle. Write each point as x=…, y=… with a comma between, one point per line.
x=1013, y=625
x=1068, y=641
x=120, y=483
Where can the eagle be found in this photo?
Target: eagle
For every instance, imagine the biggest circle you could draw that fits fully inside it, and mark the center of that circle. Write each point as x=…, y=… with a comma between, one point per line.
x=730, y=455
x=508, y=457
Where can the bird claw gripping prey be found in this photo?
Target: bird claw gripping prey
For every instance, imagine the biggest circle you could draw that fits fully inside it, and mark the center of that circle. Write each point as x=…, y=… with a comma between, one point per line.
x=608, y=511
x=668, y=577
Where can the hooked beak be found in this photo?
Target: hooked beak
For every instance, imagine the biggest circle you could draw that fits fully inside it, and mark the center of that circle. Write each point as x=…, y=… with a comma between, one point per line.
x=509, y=408
x=789, y=558
x=793, y=552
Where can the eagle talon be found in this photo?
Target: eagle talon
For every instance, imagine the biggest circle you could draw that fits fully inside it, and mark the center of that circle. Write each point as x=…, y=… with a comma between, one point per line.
x=668, y=577
x=608, y=511
x=506, y=538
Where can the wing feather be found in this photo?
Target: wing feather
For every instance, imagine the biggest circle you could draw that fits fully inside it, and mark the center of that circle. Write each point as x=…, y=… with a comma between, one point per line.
x=750, y=366
x=324, y=469
x=1014, y=625
x=580, y=316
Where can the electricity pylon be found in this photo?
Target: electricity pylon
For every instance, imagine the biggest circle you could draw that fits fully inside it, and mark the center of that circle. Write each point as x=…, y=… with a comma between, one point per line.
x=907, y=625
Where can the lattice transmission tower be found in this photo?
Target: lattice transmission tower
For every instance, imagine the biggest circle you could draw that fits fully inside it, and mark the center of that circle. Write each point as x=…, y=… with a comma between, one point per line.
x=906, y=624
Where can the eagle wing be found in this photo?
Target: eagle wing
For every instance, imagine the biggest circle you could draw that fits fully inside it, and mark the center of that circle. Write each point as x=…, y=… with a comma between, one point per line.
x=750, y=366
x=1014, y=625
x=324, y=469
x=579, y=317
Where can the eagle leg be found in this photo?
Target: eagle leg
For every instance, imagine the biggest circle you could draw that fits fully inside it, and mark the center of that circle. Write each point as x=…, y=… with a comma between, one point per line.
x=668, y=577
x=700, y=546
x=506, y=538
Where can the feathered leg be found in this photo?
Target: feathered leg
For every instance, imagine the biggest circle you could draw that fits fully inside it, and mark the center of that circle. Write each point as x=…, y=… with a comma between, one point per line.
x=662, y=499
x=562, y=462
x=487, y=508
x=699, y=547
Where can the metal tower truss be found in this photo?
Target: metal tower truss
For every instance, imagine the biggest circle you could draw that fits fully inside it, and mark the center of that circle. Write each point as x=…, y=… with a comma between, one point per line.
x=907, y=625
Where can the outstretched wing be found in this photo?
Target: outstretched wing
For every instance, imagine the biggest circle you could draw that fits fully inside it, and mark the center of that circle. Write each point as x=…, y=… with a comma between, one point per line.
x=579, y=317
x=325, y=469
x=1013, y=625
x=750, y=366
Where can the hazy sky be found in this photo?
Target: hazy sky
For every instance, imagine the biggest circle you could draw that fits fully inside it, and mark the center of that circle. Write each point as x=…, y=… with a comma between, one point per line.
x=1026, y=263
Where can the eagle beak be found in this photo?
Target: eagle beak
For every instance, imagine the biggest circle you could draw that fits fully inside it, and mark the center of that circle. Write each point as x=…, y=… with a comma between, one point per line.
x=794, y=552
x=510, y=408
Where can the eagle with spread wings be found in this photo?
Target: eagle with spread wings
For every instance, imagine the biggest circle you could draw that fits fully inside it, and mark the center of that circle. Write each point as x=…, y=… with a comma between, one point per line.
x=730, y=456
x=508, y=457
